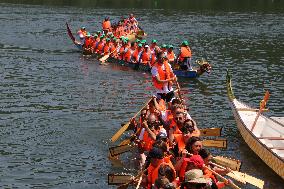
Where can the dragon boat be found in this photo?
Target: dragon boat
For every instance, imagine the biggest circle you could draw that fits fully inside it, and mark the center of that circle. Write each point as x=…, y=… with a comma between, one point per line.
x=264, y=135
x=204, y=66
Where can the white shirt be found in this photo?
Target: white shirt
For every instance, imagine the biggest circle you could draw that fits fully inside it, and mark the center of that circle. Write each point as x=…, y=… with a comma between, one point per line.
x=154, y=72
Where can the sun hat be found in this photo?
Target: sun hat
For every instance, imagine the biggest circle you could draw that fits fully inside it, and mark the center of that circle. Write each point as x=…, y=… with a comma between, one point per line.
x=154, y=41
x=195, y=176
x=185, y=43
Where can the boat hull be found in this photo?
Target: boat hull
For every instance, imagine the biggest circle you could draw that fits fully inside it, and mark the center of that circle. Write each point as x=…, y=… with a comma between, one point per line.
x=267, y=156
x=135, y=66
x=274, y=161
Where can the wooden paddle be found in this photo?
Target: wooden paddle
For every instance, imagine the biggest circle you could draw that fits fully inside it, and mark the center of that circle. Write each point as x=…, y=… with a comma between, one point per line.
x=228, y=162
x=122, y=129
x=243, y=177
x=262, y=106
x=216, y=143
x=118, y=179
x=210, y=131
x=231, y=184
x=105, y=57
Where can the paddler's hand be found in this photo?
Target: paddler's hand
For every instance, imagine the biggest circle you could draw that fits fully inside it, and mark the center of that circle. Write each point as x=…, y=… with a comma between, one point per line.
x=184, y=153
x=144, y=124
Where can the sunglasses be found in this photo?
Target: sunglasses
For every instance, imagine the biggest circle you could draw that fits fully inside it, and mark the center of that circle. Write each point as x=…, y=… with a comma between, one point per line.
x=178, y=118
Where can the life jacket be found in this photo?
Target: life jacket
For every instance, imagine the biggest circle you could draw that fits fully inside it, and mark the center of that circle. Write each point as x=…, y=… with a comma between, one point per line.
x=135, y=55
x=88, y=43
x=100, y=47
x=147, y=142
x=185, y=52
x=128, y=55
x=171, y=56
x=153, y=59
x=155, y=172
x=82, y=33
x=121, y=53
x=106, y=25
x=106, y=49
x=113, y=50
x=163, y=74
x=180, y=141
x=145, y=57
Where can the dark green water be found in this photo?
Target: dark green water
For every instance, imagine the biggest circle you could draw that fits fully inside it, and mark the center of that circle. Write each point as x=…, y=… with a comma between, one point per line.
x=47, y=143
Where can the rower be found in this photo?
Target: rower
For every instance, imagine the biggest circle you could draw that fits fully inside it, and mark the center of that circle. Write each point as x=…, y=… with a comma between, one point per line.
x=185, y=56
x=106, y=25
x=137, y=53
x=154, y=46
x=146, y=55
x=164, y=49
x=88, y=42
x=162, y=77
x=82, y=32
x=171, y=54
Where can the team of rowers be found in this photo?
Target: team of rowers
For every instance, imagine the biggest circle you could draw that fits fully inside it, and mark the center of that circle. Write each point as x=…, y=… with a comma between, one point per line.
x=116, y=44
x=170, y=149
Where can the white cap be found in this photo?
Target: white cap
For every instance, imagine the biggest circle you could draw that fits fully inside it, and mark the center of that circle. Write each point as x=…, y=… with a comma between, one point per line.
x=146, y=45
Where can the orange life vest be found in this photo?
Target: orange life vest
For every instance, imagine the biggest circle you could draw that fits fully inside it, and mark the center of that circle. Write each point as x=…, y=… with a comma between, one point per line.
x=121, y=53
x=145, y=57
x=106, y=25
x=155, y=172
x=185, y=52
x=171, y=56
x=136, y=54
x=100, y=47
x=180, y=141
x=88, y=42
x=147, y=142
x=153, y=59
x=163, y=74
x=106, y=49
x=128, y=54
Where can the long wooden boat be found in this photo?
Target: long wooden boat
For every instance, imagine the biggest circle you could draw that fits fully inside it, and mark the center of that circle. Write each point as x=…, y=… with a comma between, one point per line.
x=203, y=66
x=266, y=139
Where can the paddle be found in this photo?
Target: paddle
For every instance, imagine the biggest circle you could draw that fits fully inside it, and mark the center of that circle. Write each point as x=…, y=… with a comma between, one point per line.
x=210, y=132
x=262, y=106
x=124, y=186
x=120, y=149
x=231, y=184
x=122, y=129
x=243, y=177
x=233, y=164
x=118, y=179
x=216, y=143
x=105, y=57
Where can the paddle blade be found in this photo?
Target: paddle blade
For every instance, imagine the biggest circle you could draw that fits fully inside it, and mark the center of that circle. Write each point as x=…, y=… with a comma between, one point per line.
x=210, y=132
x=119, y=132
x=116, y=150
x=103, y=59
x=118, y=179
x=236, y=176
x=233, y=164
x=254, y=181
x=217, y=143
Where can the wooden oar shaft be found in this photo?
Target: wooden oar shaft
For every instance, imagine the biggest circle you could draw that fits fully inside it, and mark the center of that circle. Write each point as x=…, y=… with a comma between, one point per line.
x=232, y=185
x=122, y=129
